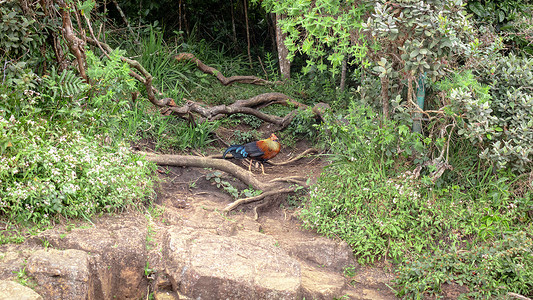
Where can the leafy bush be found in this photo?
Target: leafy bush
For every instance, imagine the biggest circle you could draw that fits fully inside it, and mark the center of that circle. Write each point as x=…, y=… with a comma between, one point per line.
x=499, y=122
x=361, y=136
x=46, y=171
x=18, y=33
x=489, y=271
x=506, y=17
x=368, y=199
x=355, y=199
x=370, y=212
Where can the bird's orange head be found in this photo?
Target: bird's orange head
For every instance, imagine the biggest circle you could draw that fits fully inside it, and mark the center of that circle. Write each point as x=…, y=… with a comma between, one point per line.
x=273, y=137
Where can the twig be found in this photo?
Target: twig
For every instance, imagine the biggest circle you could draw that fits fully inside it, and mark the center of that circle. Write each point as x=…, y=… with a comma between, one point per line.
x=123, y=16
x=238, y=202
x=92, y=34
x=517, y=296
x=300, y=156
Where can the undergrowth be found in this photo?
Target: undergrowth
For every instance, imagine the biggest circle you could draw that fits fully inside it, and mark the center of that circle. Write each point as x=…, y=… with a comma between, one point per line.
x=470, y=227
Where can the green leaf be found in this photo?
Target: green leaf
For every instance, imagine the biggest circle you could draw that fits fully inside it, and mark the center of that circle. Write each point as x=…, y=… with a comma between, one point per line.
x=501, y=14
x=477, y=8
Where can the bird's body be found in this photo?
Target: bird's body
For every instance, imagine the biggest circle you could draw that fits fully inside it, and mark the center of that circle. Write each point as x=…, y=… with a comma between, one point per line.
x=262, y=150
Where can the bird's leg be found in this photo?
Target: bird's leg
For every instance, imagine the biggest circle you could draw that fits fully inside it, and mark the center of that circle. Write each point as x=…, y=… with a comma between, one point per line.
x=250, y=166
x=263, y=168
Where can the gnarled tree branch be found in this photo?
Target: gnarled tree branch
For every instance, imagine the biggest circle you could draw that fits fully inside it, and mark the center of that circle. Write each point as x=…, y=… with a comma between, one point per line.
x=74, y=43
x=224, y=80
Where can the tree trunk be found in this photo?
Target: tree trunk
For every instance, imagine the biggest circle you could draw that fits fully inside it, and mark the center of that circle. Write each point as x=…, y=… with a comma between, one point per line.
x=283, y=52
x=247, y=32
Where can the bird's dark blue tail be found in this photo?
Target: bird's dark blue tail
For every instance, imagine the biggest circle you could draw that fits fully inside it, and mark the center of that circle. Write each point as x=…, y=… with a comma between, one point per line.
x=237, y=151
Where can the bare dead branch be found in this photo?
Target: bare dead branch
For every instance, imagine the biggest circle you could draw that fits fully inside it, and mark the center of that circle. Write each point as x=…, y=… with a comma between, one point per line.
x=298, y=157
x=224, y=80
x=238, y=202
x=249, y=107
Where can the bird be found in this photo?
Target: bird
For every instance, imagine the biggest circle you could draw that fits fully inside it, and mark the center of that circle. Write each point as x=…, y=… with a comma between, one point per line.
x=261, y=151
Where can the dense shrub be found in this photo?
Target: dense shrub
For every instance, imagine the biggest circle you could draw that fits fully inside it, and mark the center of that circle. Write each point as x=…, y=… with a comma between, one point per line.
x=505, y=265
x=46, y=171
x=496, y=113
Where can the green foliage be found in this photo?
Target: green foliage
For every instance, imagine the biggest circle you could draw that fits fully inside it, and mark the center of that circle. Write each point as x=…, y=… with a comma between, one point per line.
x=62, y=94
x=509, y=18
x=498, y=120
x=322, y=31
x=111, y=80
x=217, y=179
x=422, y=35
x=23, y=39
x=370, y=212
x=369, y=200
x=48, y=171
x=65, y=85
x=303, y=126
x=506, y=265
x=243, y=137
x=18, y=33
x=355, y=199
x=249, y=120
x=361, y=136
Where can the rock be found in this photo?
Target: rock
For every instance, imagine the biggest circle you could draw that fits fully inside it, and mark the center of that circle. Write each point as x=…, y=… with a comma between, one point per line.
x=12, y=262
x=60, y=274
x=118, y=246
x=10, y=290
x=247, y=265
x=322, y=251
x=319, y=284
x=162, y=288
x=327, y=253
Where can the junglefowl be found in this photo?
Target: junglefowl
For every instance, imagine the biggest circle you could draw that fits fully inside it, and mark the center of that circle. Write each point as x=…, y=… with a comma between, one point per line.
x=261, y=151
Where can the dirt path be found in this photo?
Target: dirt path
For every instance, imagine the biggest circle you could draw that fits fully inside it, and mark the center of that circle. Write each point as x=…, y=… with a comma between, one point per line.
x=188, y=197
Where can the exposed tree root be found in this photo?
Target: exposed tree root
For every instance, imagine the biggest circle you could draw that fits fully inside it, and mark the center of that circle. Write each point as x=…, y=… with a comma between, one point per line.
x=238, y=202
x=224, y=80
x=269, y=188
x=517, y=296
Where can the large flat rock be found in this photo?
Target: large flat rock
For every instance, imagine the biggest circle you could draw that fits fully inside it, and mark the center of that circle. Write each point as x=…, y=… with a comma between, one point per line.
x=247, y=265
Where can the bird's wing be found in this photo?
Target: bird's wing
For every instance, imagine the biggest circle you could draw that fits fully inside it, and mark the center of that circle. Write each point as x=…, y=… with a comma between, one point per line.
x=255, y=149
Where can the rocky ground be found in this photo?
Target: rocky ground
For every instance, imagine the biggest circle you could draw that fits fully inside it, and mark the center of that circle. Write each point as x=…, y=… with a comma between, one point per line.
x=185, y=248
